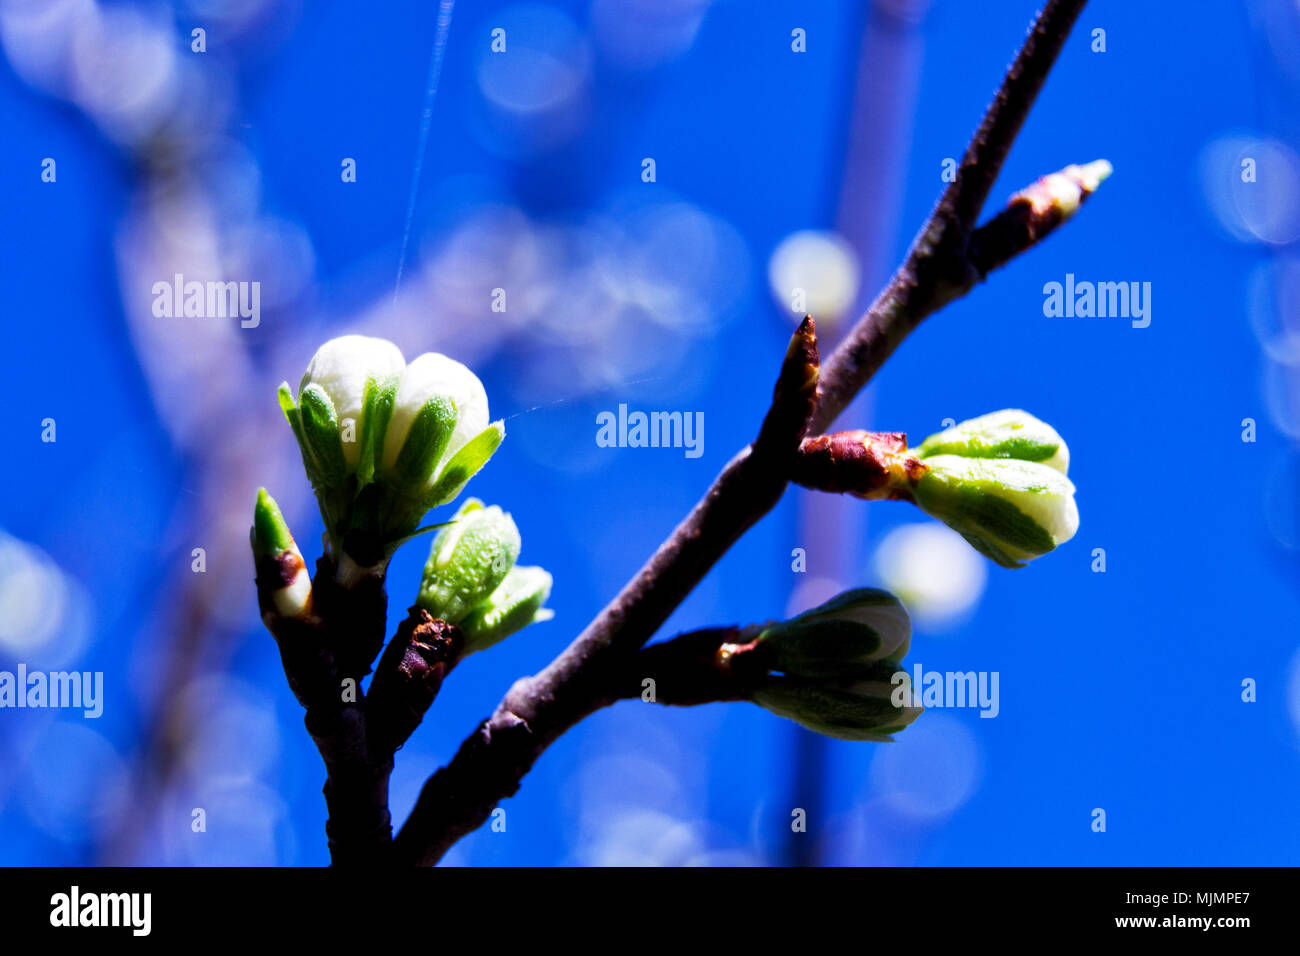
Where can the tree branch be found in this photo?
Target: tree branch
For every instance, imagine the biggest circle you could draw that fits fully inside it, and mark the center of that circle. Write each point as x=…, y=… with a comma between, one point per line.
x=592, y=672
x=314, y=652
x=698, y=667
x=408, y=678
x=937, y=269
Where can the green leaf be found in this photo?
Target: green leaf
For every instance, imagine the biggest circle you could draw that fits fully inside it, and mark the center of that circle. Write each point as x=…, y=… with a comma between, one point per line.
x=426, y=441
x=287, y=404
x=862, y=711
x=465, y=464
x=516, y=603
x=271, y=534
x=294, y=418
x=822, y=648
x=1010, y=511
x=1010, y=433
x=376, y=413
x=843, y=637
x=320, y=426
x=468, y=560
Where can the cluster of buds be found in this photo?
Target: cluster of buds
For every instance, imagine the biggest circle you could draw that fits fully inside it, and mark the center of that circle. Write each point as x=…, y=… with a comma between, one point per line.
x=831, y=669
x=383, y=441
x=471, y=579
x=999, y=480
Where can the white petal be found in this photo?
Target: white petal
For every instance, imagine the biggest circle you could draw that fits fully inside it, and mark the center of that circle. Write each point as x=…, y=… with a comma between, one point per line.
x=341, y=367
x=434, y=374
x=1049, y=500
x=291, y=600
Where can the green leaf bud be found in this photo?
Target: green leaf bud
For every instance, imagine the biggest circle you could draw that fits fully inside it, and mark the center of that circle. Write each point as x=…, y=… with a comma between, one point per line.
x=844, y=637
x=468, y=561
x=516, y=603
x=1010, y=433
x=1010, y=510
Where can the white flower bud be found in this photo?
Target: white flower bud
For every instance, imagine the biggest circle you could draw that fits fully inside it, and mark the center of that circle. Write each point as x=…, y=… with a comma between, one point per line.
x=341, y=367
x=428, y=375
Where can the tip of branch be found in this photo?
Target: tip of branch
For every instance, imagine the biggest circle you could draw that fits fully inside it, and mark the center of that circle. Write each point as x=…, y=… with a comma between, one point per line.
x=802, y=364
x=1034, y=212
x=795, y=394
x=1097, y=172
x=1058, y=195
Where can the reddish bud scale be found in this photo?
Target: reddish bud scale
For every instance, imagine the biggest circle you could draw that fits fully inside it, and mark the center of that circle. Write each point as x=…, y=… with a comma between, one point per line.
x=410, y=674
x=871, y=465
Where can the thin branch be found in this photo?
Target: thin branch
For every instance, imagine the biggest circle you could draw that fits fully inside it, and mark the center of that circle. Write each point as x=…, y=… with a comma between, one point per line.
x=698, y=667
x=937, y=269
x=490, y=764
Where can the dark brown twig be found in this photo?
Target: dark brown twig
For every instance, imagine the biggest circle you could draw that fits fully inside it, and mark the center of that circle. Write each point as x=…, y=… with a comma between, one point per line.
x=937, y=268
x=359, y=826
x=409, y=676
x=699, y=667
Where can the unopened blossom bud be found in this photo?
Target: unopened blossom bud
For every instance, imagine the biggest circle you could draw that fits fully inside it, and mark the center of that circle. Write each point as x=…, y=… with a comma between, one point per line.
x=341, y=370
x=860, y=709
x=468, y=560
x=842, y=638
x=830, y=668
x=1010, y=433
x=1009, y=510
x=278, y=561
x=383, y=441
x=516, y=603
x=438, y=436
x=998, y=479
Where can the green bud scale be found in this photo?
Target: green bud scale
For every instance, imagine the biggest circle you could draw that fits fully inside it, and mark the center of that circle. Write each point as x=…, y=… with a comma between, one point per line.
x=830, y=668
x=468, y=560
x=470, y=578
